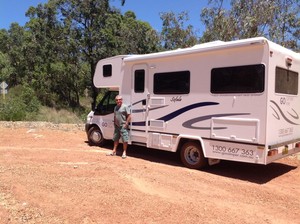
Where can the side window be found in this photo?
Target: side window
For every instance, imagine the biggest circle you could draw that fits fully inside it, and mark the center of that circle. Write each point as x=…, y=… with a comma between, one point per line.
x=139, y=81
x=238, y=79
x=286, y=81
x=107, y=70
x=172, y=82
x=107, y=104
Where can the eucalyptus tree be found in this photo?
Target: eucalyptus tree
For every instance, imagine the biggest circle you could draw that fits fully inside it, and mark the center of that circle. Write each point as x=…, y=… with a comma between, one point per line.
x=4, y=40
x=45, y=48
x=86, y=20
x=5, y=67
x=285, y=23
x=99, y=31
x=13, y=48
x=5, y=63
x=277, y=20
x=175, y=33
x=138, y=37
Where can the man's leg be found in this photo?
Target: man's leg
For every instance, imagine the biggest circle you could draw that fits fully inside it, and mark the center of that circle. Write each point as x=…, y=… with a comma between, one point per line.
x=125, y=144
x=116, y=143
x=116, y=138
x=125, y=138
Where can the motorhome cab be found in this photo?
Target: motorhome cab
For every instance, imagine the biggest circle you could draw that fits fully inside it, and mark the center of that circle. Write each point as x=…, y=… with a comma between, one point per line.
x=235, y=100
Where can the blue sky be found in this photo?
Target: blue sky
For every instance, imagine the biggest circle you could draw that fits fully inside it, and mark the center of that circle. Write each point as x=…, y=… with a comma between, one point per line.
x=145, y=10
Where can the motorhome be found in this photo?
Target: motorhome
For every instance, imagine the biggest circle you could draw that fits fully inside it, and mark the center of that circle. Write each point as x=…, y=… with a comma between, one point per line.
x=236, y=100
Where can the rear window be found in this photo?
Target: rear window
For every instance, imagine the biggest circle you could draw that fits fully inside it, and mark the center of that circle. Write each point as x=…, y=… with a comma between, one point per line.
x=286, y=81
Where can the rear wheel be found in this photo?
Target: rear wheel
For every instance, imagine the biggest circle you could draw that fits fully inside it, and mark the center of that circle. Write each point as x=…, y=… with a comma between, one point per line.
x=192, y=156
x=95, y=136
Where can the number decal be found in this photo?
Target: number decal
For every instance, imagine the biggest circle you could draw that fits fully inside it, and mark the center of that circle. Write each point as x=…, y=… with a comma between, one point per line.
x=232, y=151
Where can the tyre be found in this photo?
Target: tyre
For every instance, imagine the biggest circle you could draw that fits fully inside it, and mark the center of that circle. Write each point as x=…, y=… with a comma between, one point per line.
x=192, y=156
x=95, y=136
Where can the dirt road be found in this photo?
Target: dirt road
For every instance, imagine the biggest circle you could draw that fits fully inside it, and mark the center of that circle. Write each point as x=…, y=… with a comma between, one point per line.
x=52, y=176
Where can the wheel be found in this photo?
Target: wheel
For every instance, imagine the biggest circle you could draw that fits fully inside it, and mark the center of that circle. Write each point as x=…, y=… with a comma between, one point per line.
x=192, y=156
x=95, y=137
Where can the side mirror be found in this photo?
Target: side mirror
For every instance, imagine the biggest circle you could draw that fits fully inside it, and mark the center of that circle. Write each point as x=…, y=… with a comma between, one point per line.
x=93, y=105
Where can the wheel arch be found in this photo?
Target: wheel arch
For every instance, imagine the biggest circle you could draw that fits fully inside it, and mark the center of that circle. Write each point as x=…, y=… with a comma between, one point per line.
x=96, y=126
x=182, y=139
x=92, y=128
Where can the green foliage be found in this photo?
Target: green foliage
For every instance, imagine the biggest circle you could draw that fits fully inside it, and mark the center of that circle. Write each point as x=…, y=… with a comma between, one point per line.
x=277, y=20
x=174, y=32
x=19, y=104
x=51, y=60
x=12, y=110
x=5, y=67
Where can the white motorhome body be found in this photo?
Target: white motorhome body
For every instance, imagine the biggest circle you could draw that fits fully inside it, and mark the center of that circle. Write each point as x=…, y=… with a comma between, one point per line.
x=235, y=100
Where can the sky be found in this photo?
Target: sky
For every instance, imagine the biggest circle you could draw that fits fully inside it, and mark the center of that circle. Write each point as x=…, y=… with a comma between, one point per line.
x=145, y=10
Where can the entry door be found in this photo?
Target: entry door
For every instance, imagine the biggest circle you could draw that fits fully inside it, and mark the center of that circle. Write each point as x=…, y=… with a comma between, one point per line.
x=139, y=103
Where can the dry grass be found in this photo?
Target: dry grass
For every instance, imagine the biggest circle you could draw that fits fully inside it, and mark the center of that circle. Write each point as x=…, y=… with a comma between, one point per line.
x=57, y=116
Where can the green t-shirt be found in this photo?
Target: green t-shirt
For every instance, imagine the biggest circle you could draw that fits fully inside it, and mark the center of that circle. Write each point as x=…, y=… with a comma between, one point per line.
x=121, y=114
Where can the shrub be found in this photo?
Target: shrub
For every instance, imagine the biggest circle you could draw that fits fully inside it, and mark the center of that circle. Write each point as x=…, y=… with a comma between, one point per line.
x=20, y=104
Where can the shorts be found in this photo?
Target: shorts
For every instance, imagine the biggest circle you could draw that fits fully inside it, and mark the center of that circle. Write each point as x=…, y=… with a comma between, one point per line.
x=121, y=132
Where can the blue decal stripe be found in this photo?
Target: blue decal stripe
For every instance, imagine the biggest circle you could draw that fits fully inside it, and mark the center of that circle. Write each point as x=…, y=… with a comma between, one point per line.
x=185, y=109
x=190, y=123
x=139, y=123
x=177, y=112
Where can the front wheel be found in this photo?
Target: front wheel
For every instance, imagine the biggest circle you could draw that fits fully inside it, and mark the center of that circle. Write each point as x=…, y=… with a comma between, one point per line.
x=192, y=156
x=95, y=137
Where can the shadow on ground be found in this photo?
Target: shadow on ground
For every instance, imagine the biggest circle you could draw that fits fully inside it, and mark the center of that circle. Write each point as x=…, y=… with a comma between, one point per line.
x=255, y=173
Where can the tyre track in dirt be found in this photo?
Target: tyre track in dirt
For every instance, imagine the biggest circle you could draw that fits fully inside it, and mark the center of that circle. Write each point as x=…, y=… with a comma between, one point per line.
x=54, y=176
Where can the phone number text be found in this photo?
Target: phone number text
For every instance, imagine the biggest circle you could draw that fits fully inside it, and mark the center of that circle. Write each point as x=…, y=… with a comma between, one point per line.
x=233, y=151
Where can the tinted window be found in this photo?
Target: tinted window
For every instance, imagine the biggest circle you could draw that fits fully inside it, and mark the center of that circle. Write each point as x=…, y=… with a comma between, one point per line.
x=107, y=104
x=107, y=70
x=238, y=79
x=139, y=81
x=172, y=82
x=286, y=81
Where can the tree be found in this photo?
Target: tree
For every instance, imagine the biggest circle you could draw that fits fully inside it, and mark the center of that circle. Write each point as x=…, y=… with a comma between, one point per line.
x=85, y=20
x=14, y=50
x=285, y=23
x=218, y=22
x=98, y=31
x=277, y=20
x=45, y=48
x=137, y=37
x=174, y=33
x=67, y=35
x=5, y=67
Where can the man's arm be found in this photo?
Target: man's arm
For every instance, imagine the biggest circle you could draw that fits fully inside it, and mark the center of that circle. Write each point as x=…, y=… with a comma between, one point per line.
x=128, y=120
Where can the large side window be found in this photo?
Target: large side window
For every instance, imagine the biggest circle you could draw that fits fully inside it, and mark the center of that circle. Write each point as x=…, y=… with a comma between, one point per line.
x=107, y=70
x=286, y=81
x=172, y=82
x=238, y=79
x=139, y=81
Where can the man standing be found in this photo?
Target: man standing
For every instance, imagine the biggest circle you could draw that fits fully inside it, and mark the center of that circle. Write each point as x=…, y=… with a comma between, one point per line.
x=122, y=118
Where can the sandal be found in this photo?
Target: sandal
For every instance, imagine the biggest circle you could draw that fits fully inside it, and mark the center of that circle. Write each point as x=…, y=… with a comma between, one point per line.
x=111, y=154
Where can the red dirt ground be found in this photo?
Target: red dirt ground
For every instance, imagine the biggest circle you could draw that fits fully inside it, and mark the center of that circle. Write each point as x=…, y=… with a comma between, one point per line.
x=54, y=176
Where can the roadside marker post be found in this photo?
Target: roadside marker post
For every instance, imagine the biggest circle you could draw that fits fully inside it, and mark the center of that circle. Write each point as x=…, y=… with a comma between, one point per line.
x=3, y=89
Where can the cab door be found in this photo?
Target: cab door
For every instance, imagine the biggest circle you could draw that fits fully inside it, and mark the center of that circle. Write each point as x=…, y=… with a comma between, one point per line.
x=104, y=114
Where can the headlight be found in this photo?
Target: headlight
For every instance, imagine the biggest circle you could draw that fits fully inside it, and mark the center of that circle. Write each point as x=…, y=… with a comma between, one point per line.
x=89, y=117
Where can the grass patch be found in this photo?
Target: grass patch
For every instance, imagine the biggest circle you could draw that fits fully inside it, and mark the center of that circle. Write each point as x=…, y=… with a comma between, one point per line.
x=57, y=116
